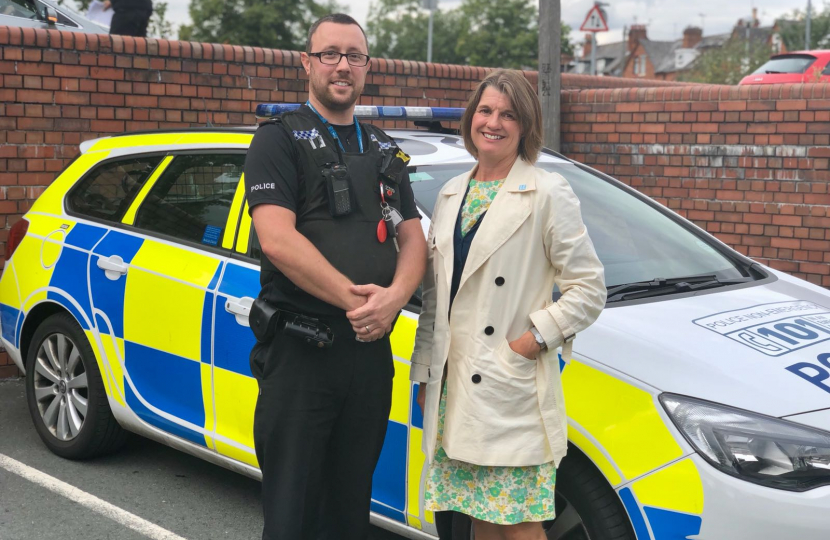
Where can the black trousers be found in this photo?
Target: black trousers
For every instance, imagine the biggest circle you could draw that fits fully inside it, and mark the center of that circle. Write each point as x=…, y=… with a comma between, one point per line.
x=319, y=426
x=130, y=23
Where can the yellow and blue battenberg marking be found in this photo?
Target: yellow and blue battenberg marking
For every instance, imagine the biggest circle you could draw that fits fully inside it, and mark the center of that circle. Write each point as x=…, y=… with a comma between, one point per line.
x=618, y=426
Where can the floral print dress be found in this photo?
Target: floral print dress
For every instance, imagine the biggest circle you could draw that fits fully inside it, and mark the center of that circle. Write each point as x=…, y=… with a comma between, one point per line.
x=502, y=495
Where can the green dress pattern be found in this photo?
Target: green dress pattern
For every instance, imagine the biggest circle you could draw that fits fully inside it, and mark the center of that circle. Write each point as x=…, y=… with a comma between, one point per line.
x=478, y=200
x=501, y=495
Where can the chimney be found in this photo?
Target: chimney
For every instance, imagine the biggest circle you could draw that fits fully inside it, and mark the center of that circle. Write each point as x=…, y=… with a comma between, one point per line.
x=755, y=21
x=691, y=37
x=586, y=49
x=635, y=34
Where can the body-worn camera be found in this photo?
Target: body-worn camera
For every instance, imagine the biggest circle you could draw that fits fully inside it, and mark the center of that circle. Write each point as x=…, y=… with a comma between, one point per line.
x=393, y=163
x=338, y=184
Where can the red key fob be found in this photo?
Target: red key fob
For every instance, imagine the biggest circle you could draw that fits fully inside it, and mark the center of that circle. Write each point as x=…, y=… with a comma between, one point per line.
x=382, y=231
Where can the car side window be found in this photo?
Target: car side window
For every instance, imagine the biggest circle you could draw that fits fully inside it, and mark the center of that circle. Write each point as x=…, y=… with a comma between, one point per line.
x=192, y=198
x=66, y=21
x=18, y=8
x=106, y=192
x=826, y=70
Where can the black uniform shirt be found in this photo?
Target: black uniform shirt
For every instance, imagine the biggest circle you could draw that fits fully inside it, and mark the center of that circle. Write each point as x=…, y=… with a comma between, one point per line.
x=274, y=174
x=273, y=177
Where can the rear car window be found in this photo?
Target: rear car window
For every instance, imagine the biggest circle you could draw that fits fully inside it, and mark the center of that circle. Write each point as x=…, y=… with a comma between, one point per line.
x=106, y=192
x=192, y=198
x=786, y=64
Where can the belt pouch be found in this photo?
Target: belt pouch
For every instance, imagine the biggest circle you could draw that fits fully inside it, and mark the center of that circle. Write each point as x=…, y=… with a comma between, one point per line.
x=263, y=319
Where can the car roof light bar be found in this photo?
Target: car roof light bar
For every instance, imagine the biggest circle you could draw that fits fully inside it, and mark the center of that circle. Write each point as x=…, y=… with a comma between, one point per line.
x=372, y=112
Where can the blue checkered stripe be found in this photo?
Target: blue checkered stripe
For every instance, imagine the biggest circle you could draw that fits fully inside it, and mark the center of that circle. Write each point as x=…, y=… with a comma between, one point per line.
x=306, y=134
x=310, y=135
x=381, y=145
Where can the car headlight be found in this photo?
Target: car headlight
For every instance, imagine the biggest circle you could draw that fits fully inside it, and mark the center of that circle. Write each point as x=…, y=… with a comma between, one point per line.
x=757, y=448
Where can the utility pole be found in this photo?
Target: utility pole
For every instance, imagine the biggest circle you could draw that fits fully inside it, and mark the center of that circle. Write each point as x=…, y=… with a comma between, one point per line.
x=550, y=42
x=594, y=54
x=807, y=32
x=431, y=5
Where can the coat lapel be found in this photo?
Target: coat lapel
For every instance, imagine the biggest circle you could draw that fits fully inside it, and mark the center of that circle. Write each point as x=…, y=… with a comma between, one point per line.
x=445, y=229
x=507, y=212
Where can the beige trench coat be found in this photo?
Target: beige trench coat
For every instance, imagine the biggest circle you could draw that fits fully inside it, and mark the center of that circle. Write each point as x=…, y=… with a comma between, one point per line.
x=504, y=409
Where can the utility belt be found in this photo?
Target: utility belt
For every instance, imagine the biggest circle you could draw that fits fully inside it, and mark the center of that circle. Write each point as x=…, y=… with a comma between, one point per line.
x=266, y=320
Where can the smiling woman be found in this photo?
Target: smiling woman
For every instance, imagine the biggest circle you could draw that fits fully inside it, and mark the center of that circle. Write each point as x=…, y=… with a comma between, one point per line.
x=494, y=425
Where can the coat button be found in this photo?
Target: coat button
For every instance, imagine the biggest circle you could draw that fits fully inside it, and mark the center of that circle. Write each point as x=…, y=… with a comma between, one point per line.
x=476, y=378
x=489, y=330
x=499, y=281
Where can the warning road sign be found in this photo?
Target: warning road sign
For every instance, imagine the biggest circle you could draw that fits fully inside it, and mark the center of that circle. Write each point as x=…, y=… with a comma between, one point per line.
x=595, y=21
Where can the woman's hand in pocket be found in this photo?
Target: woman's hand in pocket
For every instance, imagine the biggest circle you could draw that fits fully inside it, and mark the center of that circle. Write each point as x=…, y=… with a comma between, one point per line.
x=526, y=346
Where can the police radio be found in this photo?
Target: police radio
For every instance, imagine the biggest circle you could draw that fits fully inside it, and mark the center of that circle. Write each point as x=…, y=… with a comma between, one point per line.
x=338, y=184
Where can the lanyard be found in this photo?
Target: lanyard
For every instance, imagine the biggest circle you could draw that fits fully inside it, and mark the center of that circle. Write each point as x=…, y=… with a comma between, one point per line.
x=334, y=133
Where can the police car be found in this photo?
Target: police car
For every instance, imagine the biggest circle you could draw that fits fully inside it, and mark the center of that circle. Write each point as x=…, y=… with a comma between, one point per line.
x=698, y=404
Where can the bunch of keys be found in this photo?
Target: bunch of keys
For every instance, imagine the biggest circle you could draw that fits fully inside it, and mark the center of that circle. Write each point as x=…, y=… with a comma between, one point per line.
x=388, y=225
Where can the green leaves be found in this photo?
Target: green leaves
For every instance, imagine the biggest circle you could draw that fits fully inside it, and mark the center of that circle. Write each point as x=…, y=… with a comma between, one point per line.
x=278, y=24
x=728, y=64
x=792, y=29
x=491, y=33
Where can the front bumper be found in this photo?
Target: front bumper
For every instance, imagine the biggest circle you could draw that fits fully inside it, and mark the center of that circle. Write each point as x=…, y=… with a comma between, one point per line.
x=738, y=510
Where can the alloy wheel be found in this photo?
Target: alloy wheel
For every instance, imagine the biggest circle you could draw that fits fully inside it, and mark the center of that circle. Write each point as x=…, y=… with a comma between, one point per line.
x=60, y=387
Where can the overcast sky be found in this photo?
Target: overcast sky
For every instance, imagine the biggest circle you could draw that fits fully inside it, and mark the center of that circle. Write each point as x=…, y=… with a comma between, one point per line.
x=666, y=19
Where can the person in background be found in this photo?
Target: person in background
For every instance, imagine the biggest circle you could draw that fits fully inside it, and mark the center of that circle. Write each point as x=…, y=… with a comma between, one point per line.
x=502, y=236
x=130, y=17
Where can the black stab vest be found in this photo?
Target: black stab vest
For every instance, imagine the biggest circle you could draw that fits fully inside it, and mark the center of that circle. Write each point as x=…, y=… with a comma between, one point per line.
x=348, y=242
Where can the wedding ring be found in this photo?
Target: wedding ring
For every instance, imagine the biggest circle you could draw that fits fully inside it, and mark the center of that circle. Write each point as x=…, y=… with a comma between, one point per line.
x=368, y=330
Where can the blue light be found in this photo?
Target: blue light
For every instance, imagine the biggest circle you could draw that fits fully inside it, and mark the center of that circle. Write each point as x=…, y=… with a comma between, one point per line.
x=372, y=112
x=270, y=110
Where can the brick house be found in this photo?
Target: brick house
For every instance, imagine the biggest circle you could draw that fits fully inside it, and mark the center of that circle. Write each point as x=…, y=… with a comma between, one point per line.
x=665, y=60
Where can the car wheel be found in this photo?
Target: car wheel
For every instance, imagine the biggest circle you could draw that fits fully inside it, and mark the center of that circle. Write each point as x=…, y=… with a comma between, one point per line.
x=65, y=393
x=587, y=508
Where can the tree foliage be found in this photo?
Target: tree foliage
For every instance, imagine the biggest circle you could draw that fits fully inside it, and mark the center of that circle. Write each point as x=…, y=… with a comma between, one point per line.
x=728, y=64
x=492, y=33
x=278, y=24
x=399, y=30
x=793, y=28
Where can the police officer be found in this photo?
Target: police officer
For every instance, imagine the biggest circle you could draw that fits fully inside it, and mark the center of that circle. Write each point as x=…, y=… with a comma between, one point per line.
x=319, y=186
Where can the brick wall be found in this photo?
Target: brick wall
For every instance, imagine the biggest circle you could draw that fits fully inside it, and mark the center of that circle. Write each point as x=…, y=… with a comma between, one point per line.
x=705, y=151
x=748, y=164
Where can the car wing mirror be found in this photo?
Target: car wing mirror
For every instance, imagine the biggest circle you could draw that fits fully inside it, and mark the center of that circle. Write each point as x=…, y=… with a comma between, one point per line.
x=51, y=15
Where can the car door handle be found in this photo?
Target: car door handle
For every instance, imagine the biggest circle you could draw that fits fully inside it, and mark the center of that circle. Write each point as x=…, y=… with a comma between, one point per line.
x=240, y=307
x=114, y=266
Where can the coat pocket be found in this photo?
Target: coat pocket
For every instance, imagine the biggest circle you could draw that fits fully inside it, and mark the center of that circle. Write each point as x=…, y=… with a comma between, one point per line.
x=513, y=363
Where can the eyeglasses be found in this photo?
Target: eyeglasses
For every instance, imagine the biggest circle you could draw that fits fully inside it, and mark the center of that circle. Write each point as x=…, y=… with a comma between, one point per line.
x=332, y=58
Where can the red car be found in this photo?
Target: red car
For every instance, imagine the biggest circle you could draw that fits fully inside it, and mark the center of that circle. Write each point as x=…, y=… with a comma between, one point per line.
x=795, y=67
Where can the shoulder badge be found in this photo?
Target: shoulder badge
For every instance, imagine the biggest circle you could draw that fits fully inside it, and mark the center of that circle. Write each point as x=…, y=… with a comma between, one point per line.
x=310, y=135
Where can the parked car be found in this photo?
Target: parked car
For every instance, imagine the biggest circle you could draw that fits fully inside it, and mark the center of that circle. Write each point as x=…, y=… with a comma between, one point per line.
x=796, y=67
x=698, y=403
x=46, y=14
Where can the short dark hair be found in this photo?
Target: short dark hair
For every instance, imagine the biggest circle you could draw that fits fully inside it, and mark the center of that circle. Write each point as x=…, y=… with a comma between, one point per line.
x=338, y=18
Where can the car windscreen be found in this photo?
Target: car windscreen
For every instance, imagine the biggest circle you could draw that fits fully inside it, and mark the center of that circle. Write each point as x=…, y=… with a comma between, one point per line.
x=634, y=240
x=786, y=64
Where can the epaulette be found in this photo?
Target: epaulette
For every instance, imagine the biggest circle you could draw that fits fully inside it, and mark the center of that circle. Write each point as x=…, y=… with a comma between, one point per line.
x=275, y=120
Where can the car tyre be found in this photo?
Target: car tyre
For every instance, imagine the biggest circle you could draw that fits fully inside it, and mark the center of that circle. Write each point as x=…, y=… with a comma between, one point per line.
x=65, y=392
x=587, y=507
